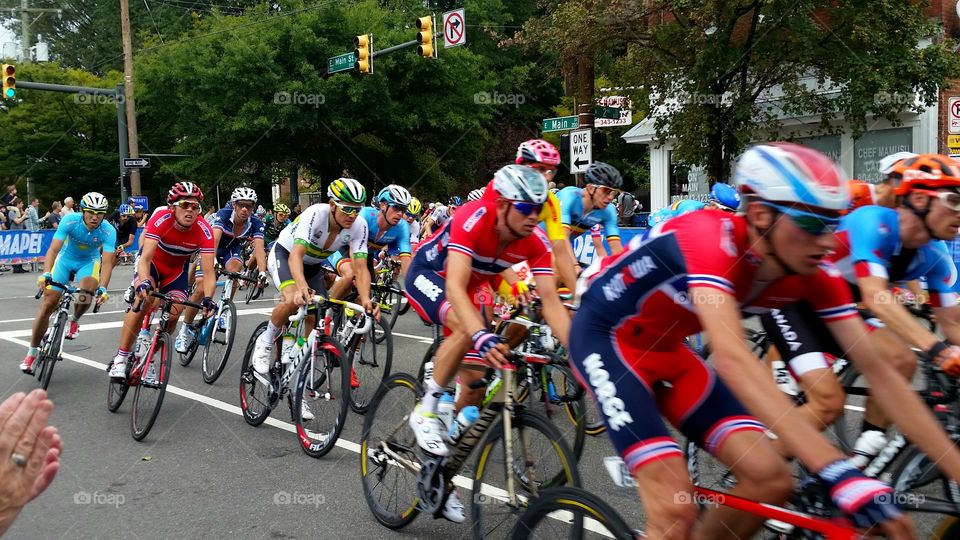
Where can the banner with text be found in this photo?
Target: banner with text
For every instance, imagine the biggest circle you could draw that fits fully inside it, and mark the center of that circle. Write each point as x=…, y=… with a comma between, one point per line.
x=18, y=247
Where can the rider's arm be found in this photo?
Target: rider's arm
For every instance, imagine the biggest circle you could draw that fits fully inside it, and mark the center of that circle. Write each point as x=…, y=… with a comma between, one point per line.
x=553, y=310
x=459, y=267
x=209, y=275
x=949, y=319
x=359, y=254
x=109, y=256
x=612, y=230
x=259, y=253
x=751, y=383
x=900, y=402
x=878, y=299
x=599, y=250
x=404, y=265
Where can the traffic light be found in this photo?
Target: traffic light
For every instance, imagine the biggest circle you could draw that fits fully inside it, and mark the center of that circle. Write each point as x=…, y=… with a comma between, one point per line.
x=363, y=53
x=9, y=81
x=425, y=36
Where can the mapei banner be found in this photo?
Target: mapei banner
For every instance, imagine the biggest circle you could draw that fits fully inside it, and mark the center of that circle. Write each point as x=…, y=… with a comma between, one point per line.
x=28, y=246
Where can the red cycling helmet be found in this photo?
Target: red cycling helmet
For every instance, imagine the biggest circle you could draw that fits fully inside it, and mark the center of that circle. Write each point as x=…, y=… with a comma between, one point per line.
x=184, y=190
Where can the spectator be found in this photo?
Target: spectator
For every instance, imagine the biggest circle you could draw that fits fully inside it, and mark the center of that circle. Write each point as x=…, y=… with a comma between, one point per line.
x=626, y=208
x=67, y=207
x=296, y=212
x=54, y=216
x=33, y=216
x=32, y=452
x=9, y=196
x=140, y=214
x=16, y=216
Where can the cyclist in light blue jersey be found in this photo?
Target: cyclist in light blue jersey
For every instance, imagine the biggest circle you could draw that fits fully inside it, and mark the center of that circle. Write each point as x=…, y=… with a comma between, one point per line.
x=582, y=208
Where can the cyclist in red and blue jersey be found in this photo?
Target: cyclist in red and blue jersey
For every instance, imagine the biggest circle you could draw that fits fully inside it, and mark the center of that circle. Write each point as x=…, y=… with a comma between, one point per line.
x=173, y=237
x=582, y=208
x=695, y=273
x=441, y=214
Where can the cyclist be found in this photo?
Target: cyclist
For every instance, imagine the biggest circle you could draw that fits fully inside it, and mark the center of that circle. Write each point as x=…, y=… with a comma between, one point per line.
x=232, y=230
x=386, y=229
x=724, y=197
x=695, y=273
x=296, y=260
x=126, y=225
x=582, y=208
x=273, y=224
x=413, y=220
x=75, y=254
x=441, y=214
x=173, y=237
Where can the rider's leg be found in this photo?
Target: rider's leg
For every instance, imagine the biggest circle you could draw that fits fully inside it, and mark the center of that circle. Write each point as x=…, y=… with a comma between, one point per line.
x=48, y=304
x=344, y=285
x=84, y=299
x=892, y=350
x=665, y=490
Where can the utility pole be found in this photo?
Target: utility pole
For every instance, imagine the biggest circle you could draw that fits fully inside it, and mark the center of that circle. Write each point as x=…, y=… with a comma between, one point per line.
x=128, y=91
x=25, y=11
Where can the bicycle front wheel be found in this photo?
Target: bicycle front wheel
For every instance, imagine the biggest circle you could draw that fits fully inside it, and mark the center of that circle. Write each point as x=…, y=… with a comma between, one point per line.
x=219, y=343
x=48, y=358
x=371, y=360
x=148, y=397
x=541, y=460
x=256, y=399
x=567, y=512
x=320, y=401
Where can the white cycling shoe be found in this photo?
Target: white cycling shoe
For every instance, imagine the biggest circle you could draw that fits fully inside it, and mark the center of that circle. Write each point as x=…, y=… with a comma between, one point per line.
x=118, y=369
x=453, y=510
x=184, y=339
x=429, y=430
x=305, y=412
x=262, y=354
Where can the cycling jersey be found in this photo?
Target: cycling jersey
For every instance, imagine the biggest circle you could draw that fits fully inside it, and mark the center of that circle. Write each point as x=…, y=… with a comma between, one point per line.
x=414, y=232
x=549, y=215
x=175, y=247
x=311, y=230
x=272, y=228
x=125, y=229
x=571, y=214
x=82, y=244
x=230, y=245
x=440, y=215
x=868, y=244
x=396, y=239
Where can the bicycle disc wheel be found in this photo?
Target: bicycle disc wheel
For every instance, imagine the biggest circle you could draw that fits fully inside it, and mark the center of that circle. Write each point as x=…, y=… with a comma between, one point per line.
x=371, y=361
x=148, y=396
x=567, y=512
x=219, y=343
x=52, y=354
x=541, y=460
x=255, y=400
x=386, y=442
x=322, y=383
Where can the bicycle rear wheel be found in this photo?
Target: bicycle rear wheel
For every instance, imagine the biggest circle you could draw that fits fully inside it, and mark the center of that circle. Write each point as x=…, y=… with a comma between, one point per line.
x=219, y=343
x=386, y=442
x=187, y=357
x=567, y=512
x=371, y=360
x=256, y=403
x=48, y=358
x=148, y=397
x=118, y=389
x=921, y=488
x=323, y=383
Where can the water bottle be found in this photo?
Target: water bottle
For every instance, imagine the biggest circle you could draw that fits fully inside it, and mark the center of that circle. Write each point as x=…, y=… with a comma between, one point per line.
x=348, y=326
x=445, y=409
x=286, y=354
x=143, y=343
x=298, y=352
x=464, y=420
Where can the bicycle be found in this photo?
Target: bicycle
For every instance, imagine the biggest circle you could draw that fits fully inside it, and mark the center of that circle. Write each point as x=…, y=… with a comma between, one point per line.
x=389, y=452
x=208, y=331
x=256, y=285
x=149, y=374
x=311, y=363
x=386, y=290
x=370, y=359
x=48, y=351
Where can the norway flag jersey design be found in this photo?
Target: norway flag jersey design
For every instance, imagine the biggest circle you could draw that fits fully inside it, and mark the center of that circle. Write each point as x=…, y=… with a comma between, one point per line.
x=868, y=244
x=175, y=246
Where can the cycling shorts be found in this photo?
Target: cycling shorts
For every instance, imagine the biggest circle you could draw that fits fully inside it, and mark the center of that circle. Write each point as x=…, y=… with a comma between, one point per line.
x=66, y=269
x=224, y=256
x=633, y=387
x=279, y=270
x=174, y=286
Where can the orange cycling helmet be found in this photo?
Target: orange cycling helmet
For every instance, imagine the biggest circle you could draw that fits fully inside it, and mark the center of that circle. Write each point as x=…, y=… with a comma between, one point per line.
x=862, y=194
x=929, y=171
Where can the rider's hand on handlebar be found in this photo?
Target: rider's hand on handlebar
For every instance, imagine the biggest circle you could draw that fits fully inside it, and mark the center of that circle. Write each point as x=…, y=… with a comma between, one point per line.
x=946, y=357
x=867, y=501
x=304, y=296
x=491, y=348
x=521, y=293
x=143, y=289
x=209, y=306
x=44, y=279
x=371, y=308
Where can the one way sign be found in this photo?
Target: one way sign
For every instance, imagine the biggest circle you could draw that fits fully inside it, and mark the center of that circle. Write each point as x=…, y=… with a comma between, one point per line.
x=581, y=150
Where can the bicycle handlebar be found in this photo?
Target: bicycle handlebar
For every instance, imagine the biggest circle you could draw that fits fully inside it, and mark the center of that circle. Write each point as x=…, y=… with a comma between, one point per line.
x=139, y=304
x=317, y=299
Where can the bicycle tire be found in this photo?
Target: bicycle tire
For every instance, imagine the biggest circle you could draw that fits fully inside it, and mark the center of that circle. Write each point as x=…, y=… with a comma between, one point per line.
x=53, y=351
x=251, y=291
x=395, y=298
x=141, y=422
x=380, y=360
x=920, y=489
x=403, y=302
x=397, y=396
x=187, y=357
x=211, y=370
x=482, y=503
x=256, y=408
x=311, y=384
x=579, y=503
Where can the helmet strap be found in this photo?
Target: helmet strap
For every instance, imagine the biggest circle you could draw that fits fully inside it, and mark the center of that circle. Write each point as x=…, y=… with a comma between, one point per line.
x=765, y=233
x=922, y=214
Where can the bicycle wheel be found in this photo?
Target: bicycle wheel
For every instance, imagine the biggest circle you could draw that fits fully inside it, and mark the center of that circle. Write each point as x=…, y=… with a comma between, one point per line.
x=541, y=460
x=256, y=401
x=947, y=529
x=322, y=382
x=118, y=389
x=148, y=396
x=921, y=489
x=48, y=358
x=187, y=357
x=395, y=299
x=386, y=443
x=371, y=361
x=568, y=417
x=567, y=512
x=219, y=343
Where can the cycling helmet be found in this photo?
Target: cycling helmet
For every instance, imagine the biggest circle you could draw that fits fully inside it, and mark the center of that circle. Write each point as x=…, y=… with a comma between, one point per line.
x=601, y=174
x=791, y=173
x=243, y=194
x=926, y=171
x=688, y=205
x=94, y=201
x=184, y=190
x=125, y=210
x=475, y=195
x=862, y=194
x=520, y=183
x=281, y=208
x=455, y=201
x=725, y=196
x=537, y=151
x=347, y=190
x=887, y=164
x=394, y=195
x=415, y=207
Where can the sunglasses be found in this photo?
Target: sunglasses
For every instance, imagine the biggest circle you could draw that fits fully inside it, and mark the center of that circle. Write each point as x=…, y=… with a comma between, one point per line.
x=96, y=212
x=815, y=224
x=188, y=205
x=950, y=199
x=348, y=210
x=397, y=208
x=244, y=205
x=606, y=191
x=526, y=208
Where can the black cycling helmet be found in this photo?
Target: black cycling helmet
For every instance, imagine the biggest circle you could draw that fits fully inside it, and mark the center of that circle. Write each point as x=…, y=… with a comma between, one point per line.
x=602, y=174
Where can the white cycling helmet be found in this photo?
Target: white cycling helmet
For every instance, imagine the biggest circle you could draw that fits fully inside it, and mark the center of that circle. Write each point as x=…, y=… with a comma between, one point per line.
x=243, y=194
x=791, y=173
x=394, y=195
x=521, y=183
x=475, y=195
x=886, y=164
x=94, y=201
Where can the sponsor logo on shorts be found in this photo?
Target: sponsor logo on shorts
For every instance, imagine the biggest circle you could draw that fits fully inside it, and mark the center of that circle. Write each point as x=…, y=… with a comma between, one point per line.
x=613, y=407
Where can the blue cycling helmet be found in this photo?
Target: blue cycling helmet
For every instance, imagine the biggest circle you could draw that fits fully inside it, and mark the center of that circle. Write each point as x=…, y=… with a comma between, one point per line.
x=455, y=201
x=725, y=196
x=659, y=216
x=125, y=210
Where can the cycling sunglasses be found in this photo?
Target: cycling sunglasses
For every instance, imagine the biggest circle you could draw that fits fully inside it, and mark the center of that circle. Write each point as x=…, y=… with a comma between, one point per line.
x=348, y=210
x=398, y=208
x=815, y=224
x=526, y=208
x=950, y=199
x=244, y=205
x=188, y=205
x=95, y=212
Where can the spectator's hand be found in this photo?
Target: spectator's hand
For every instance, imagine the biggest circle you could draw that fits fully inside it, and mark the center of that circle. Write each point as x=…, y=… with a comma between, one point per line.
x=24, y=434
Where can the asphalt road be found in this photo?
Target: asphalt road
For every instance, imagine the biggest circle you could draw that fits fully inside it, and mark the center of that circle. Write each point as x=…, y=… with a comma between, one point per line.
x=202, y=471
